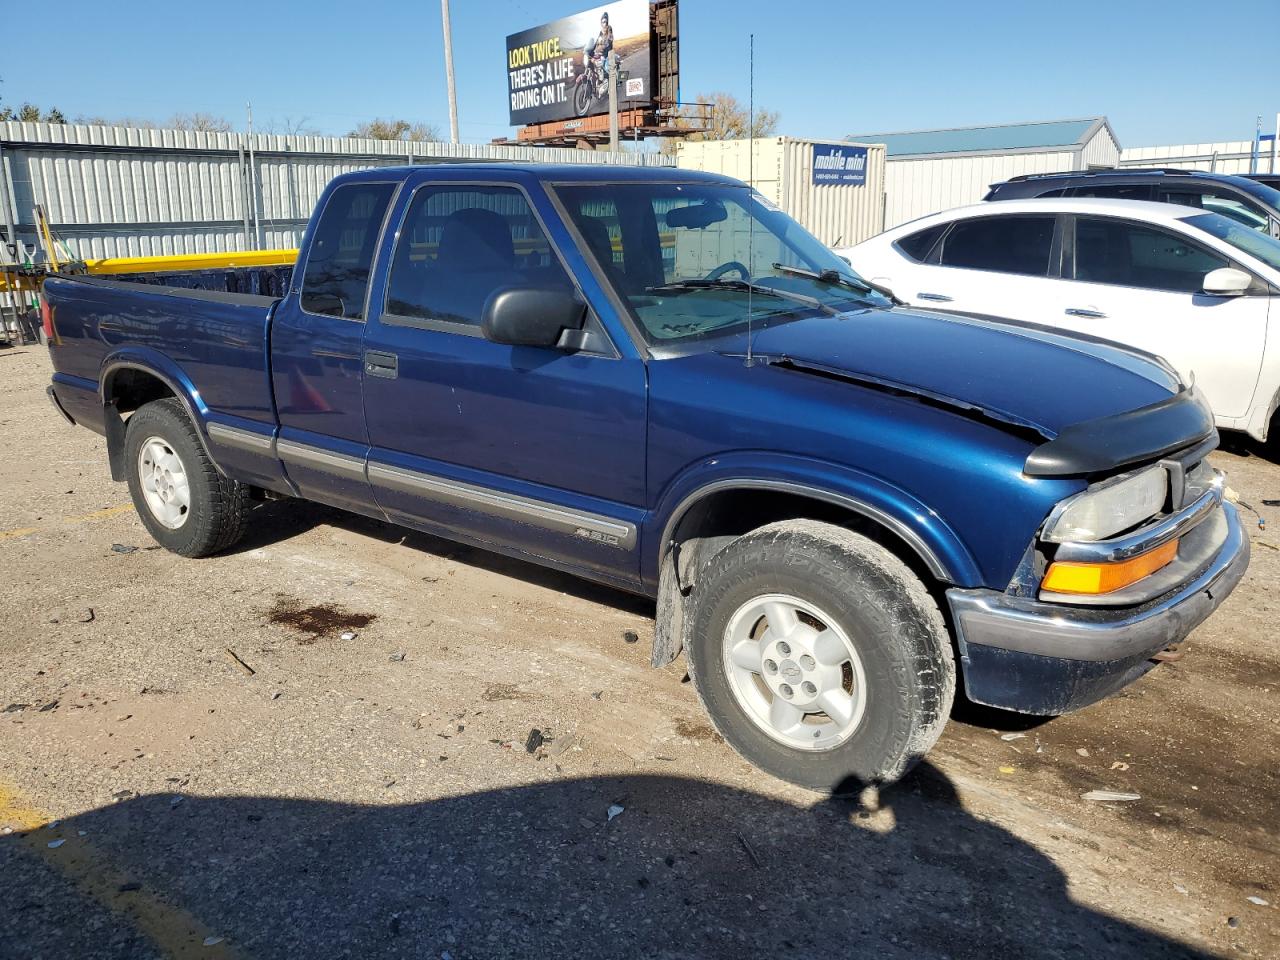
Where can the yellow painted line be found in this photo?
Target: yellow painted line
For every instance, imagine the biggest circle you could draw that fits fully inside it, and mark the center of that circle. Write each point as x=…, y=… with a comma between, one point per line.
x=172, y=929
x=101, y=514
x=20, y=532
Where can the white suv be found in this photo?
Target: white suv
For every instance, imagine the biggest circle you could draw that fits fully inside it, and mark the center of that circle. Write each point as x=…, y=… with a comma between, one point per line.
x=1196, y=288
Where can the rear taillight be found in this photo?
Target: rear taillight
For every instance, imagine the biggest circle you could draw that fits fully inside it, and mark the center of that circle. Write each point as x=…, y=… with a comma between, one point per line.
x=46, y=318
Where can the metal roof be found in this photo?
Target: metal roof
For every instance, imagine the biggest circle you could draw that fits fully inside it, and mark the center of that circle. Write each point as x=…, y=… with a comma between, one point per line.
x=1006, y=138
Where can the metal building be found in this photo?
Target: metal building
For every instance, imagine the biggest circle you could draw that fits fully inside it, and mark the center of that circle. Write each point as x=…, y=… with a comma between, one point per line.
x=789, y=172
x=932, y=170
x=128, y=192
x=1231, y=156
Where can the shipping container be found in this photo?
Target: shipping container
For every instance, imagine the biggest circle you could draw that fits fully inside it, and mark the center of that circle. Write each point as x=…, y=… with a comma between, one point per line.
x=835, y=188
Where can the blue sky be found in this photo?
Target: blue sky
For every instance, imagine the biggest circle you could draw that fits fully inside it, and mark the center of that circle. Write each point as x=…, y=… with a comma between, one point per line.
x=1172, y=72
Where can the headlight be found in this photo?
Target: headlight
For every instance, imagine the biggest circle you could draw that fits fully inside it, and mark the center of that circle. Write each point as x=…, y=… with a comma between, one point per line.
x=1107, y=509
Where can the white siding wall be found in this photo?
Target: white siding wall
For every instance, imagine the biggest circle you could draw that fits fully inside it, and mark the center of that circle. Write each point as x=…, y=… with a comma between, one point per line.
x=1100, y=151
x=1232, y=157
x=781, y=168
x=915, y=188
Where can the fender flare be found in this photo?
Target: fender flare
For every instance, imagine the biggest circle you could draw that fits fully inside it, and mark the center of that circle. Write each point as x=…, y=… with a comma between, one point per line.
x=178, y=385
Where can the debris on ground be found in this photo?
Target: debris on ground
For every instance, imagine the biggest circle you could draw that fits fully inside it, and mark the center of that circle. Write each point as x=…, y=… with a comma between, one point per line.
x=131, y=887
x=750, y=852
x=398, y=656
x=614, y=811
x=87, y=616
x=1013, y=736
x=348, y=635
x=236, y=659
x=213, y=941
x=563, y=743
x=598, y=695
x=15, y=708
x=1119, y=765
x=534, y=740
x=1081, y=751
x=1258, y=901
x=55, y=844
x=51, y=705
x=630, y=636
x=1106, y=796
x=122, y=548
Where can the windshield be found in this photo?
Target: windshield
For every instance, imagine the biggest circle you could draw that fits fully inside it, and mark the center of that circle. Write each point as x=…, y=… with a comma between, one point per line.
x=687, y=258
x=1258, y=245
x=1268, y=195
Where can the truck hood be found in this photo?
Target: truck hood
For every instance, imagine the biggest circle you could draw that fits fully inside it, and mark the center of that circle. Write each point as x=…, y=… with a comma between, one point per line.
x=1022, y=375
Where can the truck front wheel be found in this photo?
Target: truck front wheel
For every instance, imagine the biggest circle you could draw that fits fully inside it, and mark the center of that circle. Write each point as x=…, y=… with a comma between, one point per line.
x=186, y=505
x=820, y=656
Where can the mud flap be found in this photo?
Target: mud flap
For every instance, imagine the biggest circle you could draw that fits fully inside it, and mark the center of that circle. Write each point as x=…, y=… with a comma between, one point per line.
x=669, y=626
x=114, y=425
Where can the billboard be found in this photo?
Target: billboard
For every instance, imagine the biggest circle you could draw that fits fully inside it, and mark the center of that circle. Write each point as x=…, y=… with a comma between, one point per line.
x=839, y=165
x=549, y=78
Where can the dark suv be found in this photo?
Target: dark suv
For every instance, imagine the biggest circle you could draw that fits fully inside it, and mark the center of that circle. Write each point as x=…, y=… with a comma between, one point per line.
x=1247, y=201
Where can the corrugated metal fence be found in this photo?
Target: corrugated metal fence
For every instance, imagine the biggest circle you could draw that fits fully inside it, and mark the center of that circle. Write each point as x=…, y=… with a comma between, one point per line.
x=1230, y=156
x=127, y=192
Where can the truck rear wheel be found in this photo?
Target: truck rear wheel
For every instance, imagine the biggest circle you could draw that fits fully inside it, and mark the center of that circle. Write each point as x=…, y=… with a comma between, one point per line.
x=186, y=505
x=820, y=656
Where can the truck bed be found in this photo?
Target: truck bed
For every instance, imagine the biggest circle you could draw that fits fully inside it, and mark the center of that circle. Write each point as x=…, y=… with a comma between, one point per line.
x=210, y=337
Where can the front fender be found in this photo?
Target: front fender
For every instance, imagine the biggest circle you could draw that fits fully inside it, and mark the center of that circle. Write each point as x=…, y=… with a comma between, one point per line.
x=922, y=529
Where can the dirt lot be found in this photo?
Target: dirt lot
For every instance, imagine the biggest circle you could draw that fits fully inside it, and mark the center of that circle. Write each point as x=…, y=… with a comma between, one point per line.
x=373, y=796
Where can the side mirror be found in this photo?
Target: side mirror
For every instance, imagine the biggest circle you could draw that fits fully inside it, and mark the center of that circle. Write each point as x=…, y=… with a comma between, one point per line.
x=1226, y=282
x=531, y=316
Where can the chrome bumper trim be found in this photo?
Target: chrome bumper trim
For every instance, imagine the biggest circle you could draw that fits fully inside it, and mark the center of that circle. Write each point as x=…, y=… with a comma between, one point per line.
x=993, y=619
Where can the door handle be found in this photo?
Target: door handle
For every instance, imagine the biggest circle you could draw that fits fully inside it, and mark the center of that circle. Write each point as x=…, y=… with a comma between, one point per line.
x=1079, y=312
x=935, y=297
x=384, y=365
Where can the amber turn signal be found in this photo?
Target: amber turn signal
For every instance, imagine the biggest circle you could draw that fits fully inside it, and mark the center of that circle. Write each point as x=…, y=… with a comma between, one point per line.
x=1097, y=578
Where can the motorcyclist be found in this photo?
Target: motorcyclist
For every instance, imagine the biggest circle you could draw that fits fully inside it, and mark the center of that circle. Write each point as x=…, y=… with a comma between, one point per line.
x=601, y=46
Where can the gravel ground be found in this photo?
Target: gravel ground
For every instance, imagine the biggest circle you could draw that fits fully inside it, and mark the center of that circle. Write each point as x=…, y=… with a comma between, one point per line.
x=373, y=796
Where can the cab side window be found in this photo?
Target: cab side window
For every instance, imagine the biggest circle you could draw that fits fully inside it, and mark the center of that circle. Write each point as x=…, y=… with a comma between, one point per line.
x=459, y=244
x=1228, y=204
x=1135, y=255
x=336, y=278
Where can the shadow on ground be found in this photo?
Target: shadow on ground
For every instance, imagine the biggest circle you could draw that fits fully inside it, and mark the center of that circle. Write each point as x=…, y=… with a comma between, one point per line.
x=689, y=869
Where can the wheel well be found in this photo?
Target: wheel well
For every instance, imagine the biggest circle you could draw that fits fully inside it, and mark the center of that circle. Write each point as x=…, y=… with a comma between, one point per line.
x=721, y=517
x=131, y=388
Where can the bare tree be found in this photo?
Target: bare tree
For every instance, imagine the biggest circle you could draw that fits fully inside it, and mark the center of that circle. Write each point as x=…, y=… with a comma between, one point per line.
x=379, y=129
x=724, y=117
x=291, y=126
x=203, y=122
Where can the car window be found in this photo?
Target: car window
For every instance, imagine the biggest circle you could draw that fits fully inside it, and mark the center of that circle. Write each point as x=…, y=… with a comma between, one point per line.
x=1115, y=191
x=1135, y=255
x=1014, y=244
x=336, y=278
x=917, y=245
x=1232, y=205
x=457, y=245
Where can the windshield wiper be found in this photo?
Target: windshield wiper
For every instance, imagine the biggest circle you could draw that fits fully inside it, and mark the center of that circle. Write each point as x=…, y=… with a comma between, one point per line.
x=725, y=283
x=838, y=279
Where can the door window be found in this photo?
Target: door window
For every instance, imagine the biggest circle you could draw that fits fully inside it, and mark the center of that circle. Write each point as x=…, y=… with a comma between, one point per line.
x=458, y=245
x=1135, y=255
x=1115, y=191
x=1228, y=204
x=336, y=278
x=1011, y=244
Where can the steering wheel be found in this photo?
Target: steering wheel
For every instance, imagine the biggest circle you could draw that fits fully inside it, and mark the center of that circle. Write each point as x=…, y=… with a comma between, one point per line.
x=724, y=268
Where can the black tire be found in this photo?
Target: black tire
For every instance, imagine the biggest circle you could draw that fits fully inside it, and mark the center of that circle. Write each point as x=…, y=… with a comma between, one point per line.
x=582, y=98
x=879, y=604
x=217, y=514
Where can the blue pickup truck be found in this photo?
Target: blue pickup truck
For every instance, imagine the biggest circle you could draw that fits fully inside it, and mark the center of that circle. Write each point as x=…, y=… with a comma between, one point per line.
x=657, y=380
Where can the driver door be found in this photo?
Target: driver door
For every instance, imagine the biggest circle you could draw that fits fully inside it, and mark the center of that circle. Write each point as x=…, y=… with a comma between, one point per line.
x=538, y=450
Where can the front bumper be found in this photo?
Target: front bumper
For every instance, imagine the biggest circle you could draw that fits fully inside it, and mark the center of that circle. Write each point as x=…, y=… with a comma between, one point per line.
x=1049, y=658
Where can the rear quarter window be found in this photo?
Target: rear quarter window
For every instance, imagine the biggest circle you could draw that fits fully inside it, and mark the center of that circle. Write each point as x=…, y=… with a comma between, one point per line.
x=917, y=246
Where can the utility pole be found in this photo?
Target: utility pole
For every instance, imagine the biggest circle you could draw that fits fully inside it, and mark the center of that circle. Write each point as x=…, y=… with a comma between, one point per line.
x=448, y=72
x=613, y=108
x=253, y=182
